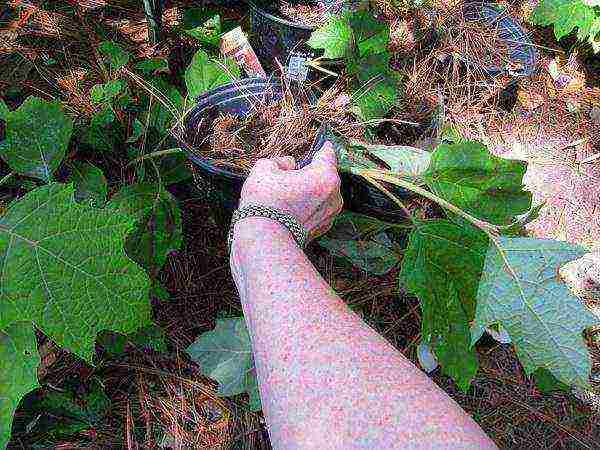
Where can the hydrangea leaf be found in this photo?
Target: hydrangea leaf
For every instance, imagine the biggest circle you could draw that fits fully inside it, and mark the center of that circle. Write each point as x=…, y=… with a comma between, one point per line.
x=566, y=15
x=334, y=37
x=442, y=266
x=37, y=136
x=19, y=359
x=90, y=183
x=106, y=91
x=115, y=54
x=520, y=290
x=158, y=228
x=363, y=242
x=205, y=73
x=225, y=355
x=469, y=176
x=63, y=267
x=4, y=111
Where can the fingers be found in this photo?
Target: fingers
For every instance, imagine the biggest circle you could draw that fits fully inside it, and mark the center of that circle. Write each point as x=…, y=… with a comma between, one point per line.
x=274, y=164
x=326, y=155
x=285, y=162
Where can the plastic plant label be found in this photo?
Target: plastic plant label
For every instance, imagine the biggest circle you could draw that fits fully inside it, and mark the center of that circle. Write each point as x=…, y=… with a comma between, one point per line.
x=297, y=67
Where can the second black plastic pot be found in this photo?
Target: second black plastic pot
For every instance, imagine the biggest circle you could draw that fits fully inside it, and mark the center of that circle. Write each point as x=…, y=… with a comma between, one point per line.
x=237, y=99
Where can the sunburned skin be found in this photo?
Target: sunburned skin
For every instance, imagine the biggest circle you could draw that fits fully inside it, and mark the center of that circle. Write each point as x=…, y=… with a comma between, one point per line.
x=327, y=380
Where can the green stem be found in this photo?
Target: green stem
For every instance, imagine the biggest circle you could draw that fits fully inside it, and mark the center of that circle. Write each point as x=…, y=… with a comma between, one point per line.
x=5, y=178
x=490, y=229
x=153, y=10
x=152, y=155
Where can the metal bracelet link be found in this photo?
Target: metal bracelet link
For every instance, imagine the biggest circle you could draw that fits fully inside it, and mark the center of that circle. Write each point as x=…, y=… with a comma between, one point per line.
x=297, y=230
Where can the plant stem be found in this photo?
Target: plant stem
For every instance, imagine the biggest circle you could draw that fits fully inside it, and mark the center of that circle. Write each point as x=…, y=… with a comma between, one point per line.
x=152, y=155
x=490, y=229
x=153, y=10
x=5, y=178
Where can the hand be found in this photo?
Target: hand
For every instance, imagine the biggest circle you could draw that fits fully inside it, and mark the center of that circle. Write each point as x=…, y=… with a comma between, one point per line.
x=311, y=194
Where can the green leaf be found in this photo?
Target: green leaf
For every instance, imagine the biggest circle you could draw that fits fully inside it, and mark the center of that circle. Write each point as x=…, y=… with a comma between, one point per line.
x=107, y=91
x=114, y=344
x=62, y=266
x=150, y=66
x=158, y=228
x=469, y=176
x=19, y=360
x=442, y=266
x=363, y=242
x=90, y=183
x=225, y=355
x=116, y=55
x=160, y=116
x=410, y=162
x=546, y=382
x=520, y=290
x=371, y=36
x=4, y=111
x=566, y=16
x=137, y=129
x=37, y=137
x=204, y=25
x=334, y=37
x=205, y=73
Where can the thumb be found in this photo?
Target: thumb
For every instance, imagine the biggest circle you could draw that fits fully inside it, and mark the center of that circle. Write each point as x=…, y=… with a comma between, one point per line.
x=326, y=154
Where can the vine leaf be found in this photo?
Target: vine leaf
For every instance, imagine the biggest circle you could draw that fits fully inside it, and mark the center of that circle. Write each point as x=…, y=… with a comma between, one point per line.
x=442, y=266
x=566, y=15
x=334, y=37
x=205, y=73
x=158, y=228
x=225, y=355
x=19, y=359
x=104, y=92
x=115, y=54
x=37, y=136
x=90, y=183
x=62, y=266
x=469, y=176
x=363, y=242
x=520, y=290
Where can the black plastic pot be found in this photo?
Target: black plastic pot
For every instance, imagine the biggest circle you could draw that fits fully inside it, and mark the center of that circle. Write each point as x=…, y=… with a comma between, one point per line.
x=236, y=99
x=276, y=37
x=523, y=55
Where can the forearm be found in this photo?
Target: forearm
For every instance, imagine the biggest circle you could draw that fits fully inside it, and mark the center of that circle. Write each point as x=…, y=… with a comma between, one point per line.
x=327, y=380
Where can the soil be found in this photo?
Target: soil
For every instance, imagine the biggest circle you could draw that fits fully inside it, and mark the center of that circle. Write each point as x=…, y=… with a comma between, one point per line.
x=310, y=15
x=241, y=141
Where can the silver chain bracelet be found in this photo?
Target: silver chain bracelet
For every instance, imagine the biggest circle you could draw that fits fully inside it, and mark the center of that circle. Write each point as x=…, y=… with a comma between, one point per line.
x=297, y=230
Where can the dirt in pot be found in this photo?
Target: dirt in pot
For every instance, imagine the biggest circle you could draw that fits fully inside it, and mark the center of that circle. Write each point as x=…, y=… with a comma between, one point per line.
x=307, y=14
x=284, y=127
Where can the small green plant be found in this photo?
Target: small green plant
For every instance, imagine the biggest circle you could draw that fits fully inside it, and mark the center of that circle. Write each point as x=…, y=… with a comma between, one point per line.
x=361, y=41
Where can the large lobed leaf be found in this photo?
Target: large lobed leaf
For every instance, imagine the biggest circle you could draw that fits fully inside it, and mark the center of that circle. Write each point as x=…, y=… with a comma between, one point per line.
x=19, y=359
x=62, y=268
x=225, y=355
x=442, y=266
x=334, y=38
x=37, y=136
x=158, y=228
x=568, y=15
x=469, y=176
x=520, y=289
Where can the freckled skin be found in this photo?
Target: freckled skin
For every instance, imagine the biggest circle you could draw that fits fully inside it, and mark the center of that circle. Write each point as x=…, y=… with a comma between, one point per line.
x=327, y=380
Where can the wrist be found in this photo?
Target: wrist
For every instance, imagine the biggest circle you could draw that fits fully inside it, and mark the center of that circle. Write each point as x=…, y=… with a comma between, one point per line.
x=253, y=233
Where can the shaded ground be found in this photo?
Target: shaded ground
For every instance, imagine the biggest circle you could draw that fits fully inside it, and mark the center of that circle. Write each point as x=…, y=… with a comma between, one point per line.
x=155, y=395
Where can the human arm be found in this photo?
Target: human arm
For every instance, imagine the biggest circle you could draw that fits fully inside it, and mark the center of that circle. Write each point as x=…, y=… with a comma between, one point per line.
x=327, y=380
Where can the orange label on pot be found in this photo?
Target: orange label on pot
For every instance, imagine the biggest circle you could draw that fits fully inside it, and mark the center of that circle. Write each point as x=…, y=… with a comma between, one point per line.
x=235, y=45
